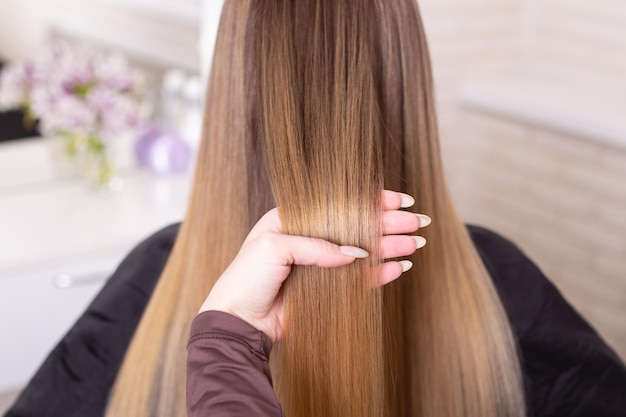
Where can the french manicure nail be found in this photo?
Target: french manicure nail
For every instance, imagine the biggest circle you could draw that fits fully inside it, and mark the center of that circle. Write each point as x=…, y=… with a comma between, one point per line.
x=406, y=265
x=420, y=242
x=354, y=251
x=424, y=220
x=406, y=200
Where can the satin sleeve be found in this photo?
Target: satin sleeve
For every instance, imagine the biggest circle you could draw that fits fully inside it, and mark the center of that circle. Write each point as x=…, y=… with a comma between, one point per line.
x=228, y=370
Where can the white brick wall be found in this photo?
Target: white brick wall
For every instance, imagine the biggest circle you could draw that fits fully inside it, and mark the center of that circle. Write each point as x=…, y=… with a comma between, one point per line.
x=562, y=199
x=586, y=42
x=161, y=33
x=468, y=39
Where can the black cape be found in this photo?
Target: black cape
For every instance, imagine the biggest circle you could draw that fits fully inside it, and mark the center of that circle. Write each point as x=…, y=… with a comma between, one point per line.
x=568, y=369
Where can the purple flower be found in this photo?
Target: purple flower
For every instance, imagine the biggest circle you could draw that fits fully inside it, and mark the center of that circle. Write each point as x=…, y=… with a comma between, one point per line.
x=114, y=73
x=69, y=115
x=78, y=92
x=17, y=81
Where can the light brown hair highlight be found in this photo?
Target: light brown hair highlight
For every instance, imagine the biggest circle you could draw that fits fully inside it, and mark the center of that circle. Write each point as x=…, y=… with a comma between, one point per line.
x=316, y=106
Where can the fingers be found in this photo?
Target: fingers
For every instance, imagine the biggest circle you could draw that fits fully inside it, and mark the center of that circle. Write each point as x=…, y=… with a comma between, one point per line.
x=390, y=271
x=396, y=222
x=270, y=222
x=289, y=250
x=397, y=246
x=400, y=222
x=298, y=250
x=393, y=200
x=301, y=250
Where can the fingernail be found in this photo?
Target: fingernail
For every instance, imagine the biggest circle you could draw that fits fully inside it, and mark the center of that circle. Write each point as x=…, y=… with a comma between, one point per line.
x=406, y=265
x=407, y=200
x=354, y=251
x=424, y=220
x=420, y=242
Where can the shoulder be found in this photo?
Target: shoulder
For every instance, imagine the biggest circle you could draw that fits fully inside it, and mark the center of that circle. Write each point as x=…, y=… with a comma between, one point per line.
x=500, y=253
x=531, y=301
x=521, y=285
x=146, y=260
x=128, y=290
x=568, y=368
x=130, y=287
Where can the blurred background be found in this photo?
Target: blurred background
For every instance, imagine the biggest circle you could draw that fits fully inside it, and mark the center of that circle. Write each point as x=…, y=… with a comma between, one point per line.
x=532, y=110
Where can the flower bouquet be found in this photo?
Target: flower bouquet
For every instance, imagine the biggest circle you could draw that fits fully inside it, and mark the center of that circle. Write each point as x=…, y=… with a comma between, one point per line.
x=89, y=101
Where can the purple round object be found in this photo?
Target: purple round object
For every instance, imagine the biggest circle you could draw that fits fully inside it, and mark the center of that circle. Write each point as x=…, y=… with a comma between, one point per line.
x=163, y=152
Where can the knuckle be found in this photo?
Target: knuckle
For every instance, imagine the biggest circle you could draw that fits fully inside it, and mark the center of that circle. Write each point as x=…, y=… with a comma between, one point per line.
x=267, y=242
x=318, y=245
x=409, y=222
x=409, y=245
x=272, y=213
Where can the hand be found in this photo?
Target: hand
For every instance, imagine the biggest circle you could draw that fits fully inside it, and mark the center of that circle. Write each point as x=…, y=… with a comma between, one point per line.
x=250, y=286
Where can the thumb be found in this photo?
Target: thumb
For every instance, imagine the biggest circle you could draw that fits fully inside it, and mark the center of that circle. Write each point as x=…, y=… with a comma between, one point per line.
x=299, y=250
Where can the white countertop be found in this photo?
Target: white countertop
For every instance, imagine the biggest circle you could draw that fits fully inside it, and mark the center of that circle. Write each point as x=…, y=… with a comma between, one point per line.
x=60, y=239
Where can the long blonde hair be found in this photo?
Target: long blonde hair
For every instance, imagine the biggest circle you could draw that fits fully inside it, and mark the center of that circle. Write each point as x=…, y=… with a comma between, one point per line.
x=316, y=106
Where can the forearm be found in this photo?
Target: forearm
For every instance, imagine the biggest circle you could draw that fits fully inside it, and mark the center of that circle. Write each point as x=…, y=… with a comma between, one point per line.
x=227, y=369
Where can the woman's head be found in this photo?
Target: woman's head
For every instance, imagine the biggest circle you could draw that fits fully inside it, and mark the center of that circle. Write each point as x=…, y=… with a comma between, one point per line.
x=315, y=106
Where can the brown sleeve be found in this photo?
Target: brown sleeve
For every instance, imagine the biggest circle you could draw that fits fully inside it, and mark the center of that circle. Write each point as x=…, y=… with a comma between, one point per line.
x=227, y=369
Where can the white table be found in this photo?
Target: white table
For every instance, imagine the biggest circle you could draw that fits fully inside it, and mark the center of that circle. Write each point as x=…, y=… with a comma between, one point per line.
x=59, y=241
